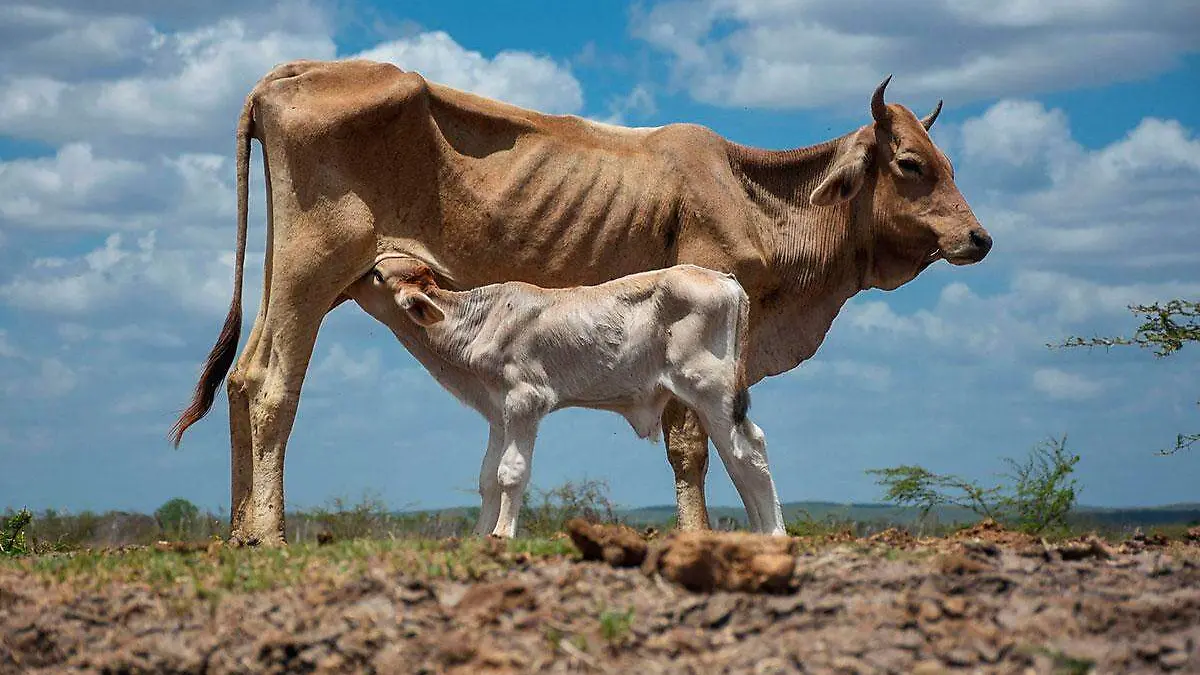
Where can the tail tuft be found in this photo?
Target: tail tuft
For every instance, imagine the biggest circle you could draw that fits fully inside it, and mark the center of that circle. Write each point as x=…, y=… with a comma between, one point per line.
x=741, y=405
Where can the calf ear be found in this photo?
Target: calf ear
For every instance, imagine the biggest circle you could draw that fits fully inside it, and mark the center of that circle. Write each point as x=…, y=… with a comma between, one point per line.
x=843, y=182
x=420, y=308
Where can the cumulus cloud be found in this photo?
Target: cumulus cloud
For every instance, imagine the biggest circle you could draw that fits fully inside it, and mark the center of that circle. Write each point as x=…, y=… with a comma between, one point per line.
x=131, y=334
x=7, y=349
x=1037, y=308
x=113, y=273
x=638, y=103
x=340, y=364
x=1061, y=385
x=871, y=377
x=52, y=380
x=1046, y=196
x=191, y=87
x=805, y=54
x=517, y=77
x=75, y=189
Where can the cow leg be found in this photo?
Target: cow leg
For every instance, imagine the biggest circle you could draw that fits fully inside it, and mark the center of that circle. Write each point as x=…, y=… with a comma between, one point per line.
x=241, y=458
x=687, y=450
x=269, y=380
x=489, y=484
x=512, y=475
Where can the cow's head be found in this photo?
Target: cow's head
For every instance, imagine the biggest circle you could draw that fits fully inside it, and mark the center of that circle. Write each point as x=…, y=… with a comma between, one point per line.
x=399, y=281
x=904, y=186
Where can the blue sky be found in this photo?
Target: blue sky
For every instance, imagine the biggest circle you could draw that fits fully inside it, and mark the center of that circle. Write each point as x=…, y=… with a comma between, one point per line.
x=1073, y=128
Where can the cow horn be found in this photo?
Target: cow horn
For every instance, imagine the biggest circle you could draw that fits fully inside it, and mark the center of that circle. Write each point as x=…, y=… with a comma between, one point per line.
x=929, y=119
x=878, y=108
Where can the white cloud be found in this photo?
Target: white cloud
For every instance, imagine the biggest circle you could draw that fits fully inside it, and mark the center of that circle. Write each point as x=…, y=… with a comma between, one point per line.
x=53, y=380
x=190, y=84
x=517, y=77
x=1126, y=204
x=74, y=188
x=112, y=274
x=341, y=364
x=803, y=54
x=1037, y=308
x=638, y=103
x=857, y=374
x=1061, y=385
x=7, y=349
x=132, y=334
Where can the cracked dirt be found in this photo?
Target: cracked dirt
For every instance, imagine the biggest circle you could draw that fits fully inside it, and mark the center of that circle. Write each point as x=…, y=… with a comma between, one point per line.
x=983, y=601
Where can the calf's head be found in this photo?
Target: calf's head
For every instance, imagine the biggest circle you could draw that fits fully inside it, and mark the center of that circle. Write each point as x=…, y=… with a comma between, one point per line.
x=398, y=284
x=903, y=196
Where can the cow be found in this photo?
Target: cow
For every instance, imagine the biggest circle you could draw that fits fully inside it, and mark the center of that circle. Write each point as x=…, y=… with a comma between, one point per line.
x=516, y=352
x=363, y=158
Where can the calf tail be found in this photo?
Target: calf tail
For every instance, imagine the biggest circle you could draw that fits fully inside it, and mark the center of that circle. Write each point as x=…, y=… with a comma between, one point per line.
x=741, y=396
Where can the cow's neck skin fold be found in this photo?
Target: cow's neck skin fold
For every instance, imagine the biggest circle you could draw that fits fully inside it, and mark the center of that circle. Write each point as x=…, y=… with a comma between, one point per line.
x=818, y=253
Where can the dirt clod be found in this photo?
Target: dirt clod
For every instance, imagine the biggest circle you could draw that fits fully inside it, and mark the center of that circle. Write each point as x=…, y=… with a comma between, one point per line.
x=731, y=561
x=1088, y=547
x=617, y=545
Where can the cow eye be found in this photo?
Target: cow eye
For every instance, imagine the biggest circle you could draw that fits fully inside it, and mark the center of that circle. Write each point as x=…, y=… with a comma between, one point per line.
x=378, y=275
x=909, y=166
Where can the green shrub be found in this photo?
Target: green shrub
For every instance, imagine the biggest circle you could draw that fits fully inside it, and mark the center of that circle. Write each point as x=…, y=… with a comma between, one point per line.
x=12, y=533
x=1039, y=494
x=587, y=499
x=177, y=518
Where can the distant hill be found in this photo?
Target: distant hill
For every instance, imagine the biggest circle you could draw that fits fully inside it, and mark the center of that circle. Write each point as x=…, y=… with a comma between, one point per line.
x=1171, y=514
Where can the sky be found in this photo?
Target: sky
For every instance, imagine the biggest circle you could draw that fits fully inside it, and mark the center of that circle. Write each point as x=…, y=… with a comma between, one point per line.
x=1073, y=127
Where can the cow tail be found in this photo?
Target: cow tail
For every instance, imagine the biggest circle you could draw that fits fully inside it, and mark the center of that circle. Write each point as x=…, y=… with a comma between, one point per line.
x=220, y=359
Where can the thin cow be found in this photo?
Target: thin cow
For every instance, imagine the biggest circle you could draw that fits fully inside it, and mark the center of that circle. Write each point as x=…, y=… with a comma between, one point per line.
x=516, y=352
x=363, y=158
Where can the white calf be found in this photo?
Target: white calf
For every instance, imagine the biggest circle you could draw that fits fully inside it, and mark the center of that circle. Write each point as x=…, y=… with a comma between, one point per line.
x=516, y=352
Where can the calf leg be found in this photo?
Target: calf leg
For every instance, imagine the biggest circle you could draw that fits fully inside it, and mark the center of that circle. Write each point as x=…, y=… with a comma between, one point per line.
x=489, y=484
x=743, y=450
x=687, y=450
x=512, y=475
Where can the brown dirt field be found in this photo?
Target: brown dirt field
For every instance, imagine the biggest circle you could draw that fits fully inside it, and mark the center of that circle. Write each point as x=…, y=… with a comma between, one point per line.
x=982, y=602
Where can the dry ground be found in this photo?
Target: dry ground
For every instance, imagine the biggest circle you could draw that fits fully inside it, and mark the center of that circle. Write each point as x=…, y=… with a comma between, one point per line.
x=984, y=600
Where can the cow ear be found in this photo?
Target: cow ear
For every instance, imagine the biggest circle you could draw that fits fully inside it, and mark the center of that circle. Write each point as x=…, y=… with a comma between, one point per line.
x=420, y=308
x=847, y=177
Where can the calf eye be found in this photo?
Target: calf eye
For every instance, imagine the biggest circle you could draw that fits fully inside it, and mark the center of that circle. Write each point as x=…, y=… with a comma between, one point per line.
x=909, y=166
x=378, y=275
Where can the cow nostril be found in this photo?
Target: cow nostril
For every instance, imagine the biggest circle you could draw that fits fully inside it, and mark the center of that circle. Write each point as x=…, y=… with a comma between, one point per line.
x=981, y=240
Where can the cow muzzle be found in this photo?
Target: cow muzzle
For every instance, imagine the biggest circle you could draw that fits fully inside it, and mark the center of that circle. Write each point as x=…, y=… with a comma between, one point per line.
x=975, y=248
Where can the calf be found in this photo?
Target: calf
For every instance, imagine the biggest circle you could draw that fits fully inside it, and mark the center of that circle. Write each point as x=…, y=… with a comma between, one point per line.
x=516, y=352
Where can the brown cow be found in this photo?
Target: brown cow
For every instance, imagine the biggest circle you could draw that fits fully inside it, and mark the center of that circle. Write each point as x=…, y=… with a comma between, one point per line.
x=363, y=158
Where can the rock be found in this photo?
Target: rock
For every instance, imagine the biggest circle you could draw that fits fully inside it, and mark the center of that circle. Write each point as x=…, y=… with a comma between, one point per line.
x=928, y=668
x=929, y=611
x=485, y=603
x=717, y=613
x=1090, y=546
x=955, y=606
x=734, y=561
x=1173, y=660
x=958, y=564
x=960, y=657
x=617, y=545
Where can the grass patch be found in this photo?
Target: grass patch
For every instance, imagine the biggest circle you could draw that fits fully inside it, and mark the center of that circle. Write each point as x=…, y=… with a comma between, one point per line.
x=243, y=570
